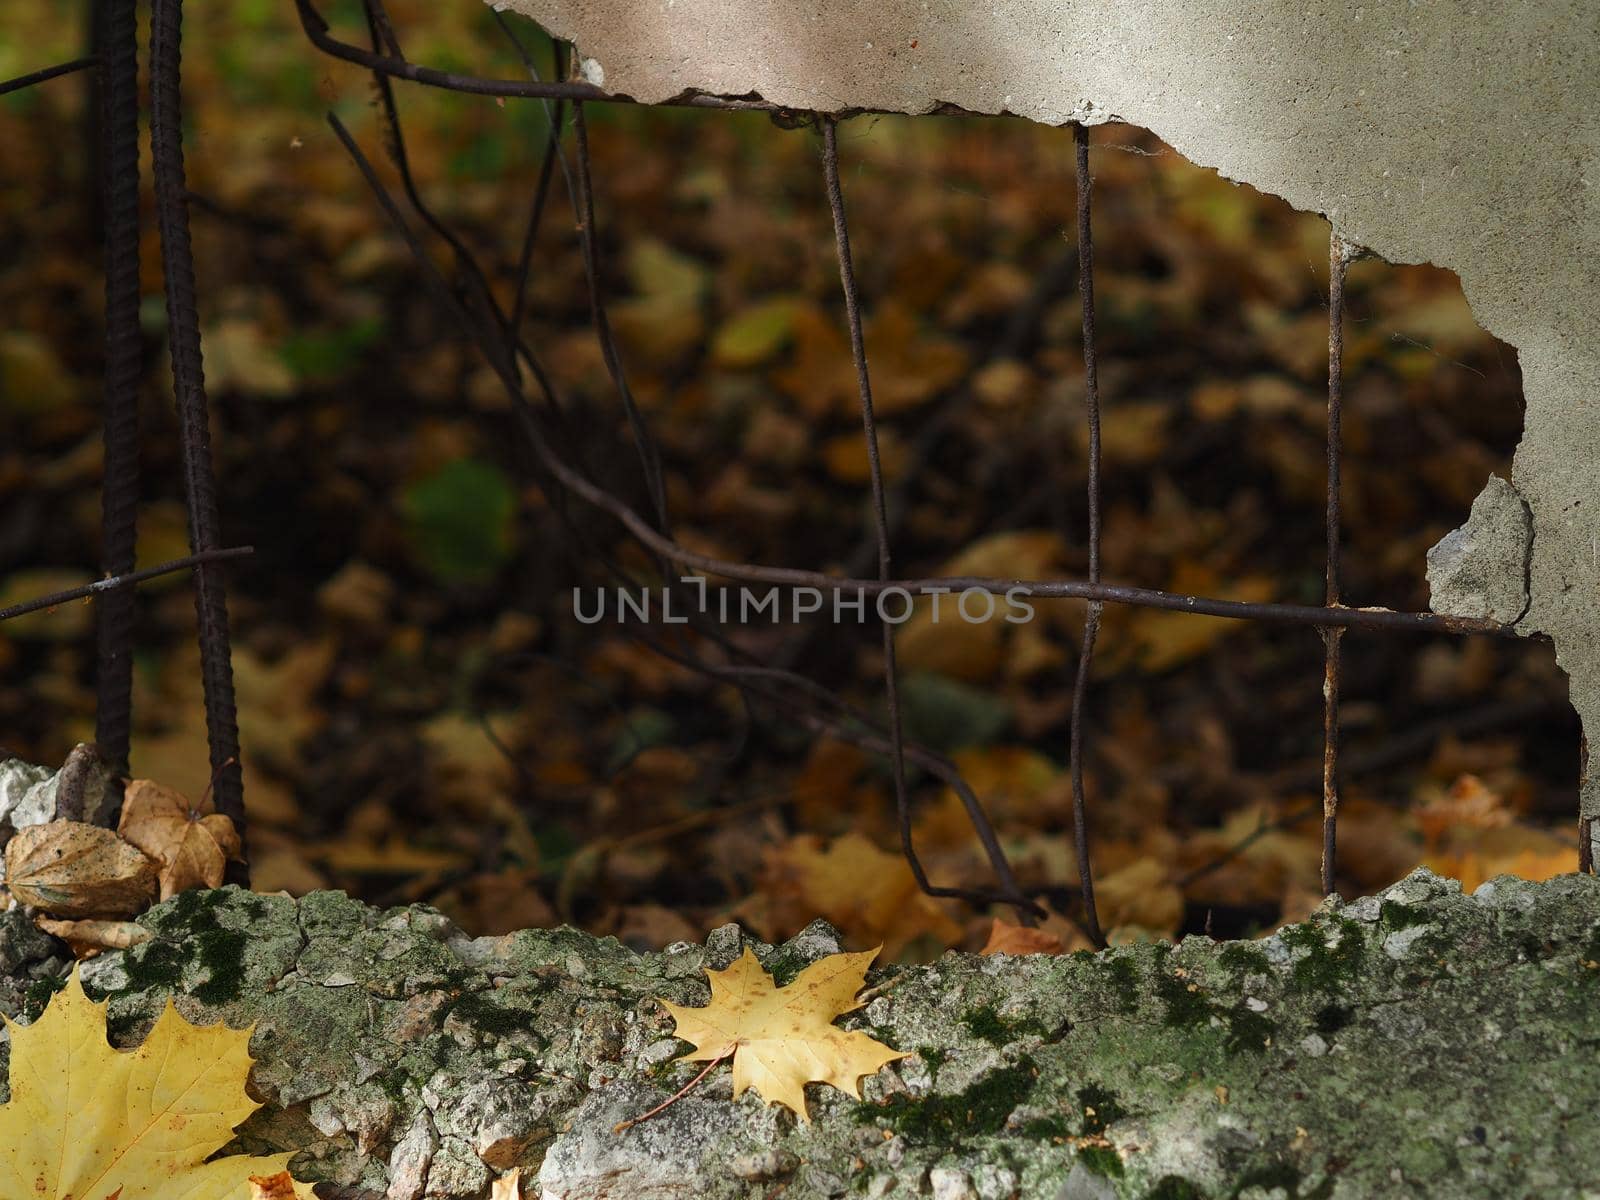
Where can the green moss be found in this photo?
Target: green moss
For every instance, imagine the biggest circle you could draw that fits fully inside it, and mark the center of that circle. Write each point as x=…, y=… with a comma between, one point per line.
x=154, y=966
x=1281, y=1177
x=1402, y=916
x=1124, y=978
x=934, y=1056
x=1174, y=1187
x=1185, y=1004
x=1245, y=959
x=1053, y=1128
x=986, y=1025
x=941, y=1120
x=1333, y=1017
x=37, y=995
x=1102, y=1160
x=1321, y=967
x=484, y=1013
x=1099, y=1108
x=1248, y=1031
x=221, y=952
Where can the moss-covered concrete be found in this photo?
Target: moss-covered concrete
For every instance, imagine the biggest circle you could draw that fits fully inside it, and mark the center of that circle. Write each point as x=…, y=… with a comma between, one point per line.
x=1416, y=1043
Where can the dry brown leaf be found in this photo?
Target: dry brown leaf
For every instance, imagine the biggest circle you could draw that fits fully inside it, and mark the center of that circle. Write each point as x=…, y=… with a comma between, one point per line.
x=1140, y=895
x=88, y=937
x=192, y=842
x=1468, y=806
x=273, y=1187
x=1157, y=640
x=1526, y=853
x=866, y=892
x=1006, y=938
x=507, y=1186
x=784, y=1038
x=70, y=869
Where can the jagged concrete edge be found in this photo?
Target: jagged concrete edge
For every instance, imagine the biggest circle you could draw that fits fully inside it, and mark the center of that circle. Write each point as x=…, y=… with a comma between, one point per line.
x=1465, y=136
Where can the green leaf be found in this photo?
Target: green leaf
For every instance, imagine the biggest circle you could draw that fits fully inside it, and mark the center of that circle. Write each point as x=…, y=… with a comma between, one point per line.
x=947, y=714
x=755, y=335
x=329, y=353
x=459, y=520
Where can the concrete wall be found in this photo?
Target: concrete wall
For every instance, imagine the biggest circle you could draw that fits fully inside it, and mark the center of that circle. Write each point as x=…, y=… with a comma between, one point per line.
x=1461, y=134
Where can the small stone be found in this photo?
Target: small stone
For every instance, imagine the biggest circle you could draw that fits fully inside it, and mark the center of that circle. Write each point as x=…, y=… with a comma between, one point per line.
x=723, y=945
x=1398, y=944
x=1367, y=909
x=993, y=1182
x=408, y=1163
x=658, y=1052
x=1084, y=1184
x=817, y=940
x=764, y=1165
x=951, y=1183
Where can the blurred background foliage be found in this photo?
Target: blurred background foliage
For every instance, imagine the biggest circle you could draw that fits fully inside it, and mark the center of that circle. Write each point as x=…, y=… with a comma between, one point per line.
x=424, y=718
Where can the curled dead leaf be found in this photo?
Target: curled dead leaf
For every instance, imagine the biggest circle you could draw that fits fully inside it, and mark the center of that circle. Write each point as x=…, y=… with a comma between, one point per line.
x=70, y=869
x=192, y=842
x=1006, y=938
x=88, y=937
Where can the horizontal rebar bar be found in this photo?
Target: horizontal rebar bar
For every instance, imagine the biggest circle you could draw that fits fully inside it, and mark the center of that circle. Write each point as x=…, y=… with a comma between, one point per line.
x=121, y=581
x=33, y=77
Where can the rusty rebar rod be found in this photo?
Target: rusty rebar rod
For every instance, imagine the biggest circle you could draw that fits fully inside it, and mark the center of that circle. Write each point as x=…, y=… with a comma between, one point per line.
x=121, y=582
x=117, y=33
x=1091, y=620
x=1338, y=260
x=17, y=83
x=188, y=380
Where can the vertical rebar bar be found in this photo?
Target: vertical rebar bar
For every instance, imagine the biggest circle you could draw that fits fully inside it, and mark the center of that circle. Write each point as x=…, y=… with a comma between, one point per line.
x=1338, y=259
x=188, y=380
x=1091, y=620
x=118, y=37
x=880, y=518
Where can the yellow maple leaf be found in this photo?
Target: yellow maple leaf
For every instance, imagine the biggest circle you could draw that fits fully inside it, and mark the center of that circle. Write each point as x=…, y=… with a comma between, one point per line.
x=784, y=1038
x=89, y=1122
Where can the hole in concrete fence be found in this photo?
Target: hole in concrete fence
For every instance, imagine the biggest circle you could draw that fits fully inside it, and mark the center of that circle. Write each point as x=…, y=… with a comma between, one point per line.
x=341, y=392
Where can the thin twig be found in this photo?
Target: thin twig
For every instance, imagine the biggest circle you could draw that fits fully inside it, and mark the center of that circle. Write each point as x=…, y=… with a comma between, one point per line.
x=620, y=1126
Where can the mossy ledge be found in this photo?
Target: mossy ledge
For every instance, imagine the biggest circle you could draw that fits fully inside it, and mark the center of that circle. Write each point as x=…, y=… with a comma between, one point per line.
x=1417, y=1042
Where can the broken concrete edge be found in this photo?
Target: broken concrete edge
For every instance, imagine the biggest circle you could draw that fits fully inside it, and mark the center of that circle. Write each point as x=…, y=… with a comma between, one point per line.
x=1423, y=133
x=1417, y=1037
x=1481, y=569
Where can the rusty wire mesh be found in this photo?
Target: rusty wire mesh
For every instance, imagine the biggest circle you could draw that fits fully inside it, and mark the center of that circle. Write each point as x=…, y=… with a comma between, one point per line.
x=493, y=327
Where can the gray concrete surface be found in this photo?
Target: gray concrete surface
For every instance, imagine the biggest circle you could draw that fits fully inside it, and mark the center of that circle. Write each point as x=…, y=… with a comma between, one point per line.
x=1417, y=1042
x=1461, y=134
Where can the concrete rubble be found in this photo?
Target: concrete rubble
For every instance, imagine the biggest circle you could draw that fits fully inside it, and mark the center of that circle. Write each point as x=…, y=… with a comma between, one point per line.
x=1465, y=136
x=1415, y=1042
